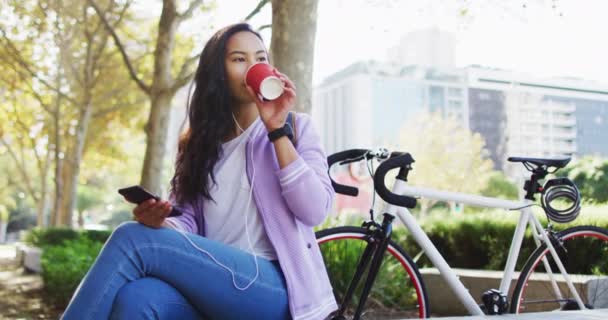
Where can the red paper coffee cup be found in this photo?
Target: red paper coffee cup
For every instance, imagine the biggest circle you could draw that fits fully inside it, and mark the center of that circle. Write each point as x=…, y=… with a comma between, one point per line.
x=264, y=81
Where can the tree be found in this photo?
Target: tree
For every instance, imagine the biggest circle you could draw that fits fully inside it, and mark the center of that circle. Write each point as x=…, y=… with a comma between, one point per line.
x=292, y=44
x=294, y=27
x=164, y=83
x=448, y=157
x=590, y=174
x=57, y=97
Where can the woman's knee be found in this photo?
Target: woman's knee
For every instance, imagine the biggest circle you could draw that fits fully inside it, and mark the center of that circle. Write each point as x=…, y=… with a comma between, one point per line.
x=130, y=302
x=127, y=230
x=151, y=298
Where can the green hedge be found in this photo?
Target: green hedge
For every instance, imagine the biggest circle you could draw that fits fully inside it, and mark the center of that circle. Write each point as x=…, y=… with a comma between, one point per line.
x=56, y=236
x=482, y=241
x=65, y=265
x=66, y=257
x=474, y=241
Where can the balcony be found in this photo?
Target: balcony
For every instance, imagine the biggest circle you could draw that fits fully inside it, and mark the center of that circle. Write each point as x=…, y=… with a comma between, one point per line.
x=564, y=121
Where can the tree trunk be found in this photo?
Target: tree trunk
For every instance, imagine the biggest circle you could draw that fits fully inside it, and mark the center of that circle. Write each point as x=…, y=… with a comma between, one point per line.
x=3, y=226
x=43, y=206
x=75, y=158
x=294, y=27
x=162, y=88
x=58, y=199
x=156, y=134
x=161, y=95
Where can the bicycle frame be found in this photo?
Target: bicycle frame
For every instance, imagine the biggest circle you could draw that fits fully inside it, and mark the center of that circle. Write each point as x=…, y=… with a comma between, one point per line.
x=400, y=187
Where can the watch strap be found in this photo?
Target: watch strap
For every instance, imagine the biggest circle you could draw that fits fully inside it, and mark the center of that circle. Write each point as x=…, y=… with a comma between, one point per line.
x=285, y=130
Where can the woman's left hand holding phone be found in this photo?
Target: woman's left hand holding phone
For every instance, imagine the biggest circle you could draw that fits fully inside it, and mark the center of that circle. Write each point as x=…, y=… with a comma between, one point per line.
x=152, y=213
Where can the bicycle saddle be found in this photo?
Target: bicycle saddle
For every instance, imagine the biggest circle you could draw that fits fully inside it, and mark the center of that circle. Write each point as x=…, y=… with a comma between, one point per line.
x=557, y=163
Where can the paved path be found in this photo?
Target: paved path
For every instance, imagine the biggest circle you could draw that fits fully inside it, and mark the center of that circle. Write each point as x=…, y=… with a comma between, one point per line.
x=21, y=294
x=7, y=253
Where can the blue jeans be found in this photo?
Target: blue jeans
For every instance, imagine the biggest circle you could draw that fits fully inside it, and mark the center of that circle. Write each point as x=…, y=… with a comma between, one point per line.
x=147, y=273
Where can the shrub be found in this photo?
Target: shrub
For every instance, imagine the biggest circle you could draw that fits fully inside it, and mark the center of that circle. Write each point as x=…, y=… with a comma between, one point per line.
x=67, y=255
x=476, y=241
x=482, y=240
x=50, y=237
x=57, y=235
x=64, y=266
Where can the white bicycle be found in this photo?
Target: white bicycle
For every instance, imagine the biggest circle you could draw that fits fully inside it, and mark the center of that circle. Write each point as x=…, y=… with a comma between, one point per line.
x=361, y=261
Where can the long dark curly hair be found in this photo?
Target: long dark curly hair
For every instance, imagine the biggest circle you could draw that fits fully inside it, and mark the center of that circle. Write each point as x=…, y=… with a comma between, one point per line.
x=209, y=117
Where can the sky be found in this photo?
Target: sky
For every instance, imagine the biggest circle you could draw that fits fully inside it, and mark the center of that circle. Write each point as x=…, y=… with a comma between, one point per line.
x=542, y=38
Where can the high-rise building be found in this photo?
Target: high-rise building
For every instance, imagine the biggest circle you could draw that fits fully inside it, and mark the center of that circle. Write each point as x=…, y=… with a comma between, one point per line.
x=367, y=103
x=527, y=116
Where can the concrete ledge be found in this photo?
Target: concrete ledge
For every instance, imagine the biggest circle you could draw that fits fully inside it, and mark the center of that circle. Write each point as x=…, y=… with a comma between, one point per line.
x=29, y=257
x=443, y=301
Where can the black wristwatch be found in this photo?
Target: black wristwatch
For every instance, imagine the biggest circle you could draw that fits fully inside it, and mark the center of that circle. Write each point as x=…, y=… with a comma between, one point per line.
x=285, y=130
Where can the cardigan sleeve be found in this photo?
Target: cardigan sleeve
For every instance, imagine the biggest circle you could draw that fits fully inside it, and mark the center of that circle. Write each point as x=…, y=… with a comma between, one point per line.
x=305, y=182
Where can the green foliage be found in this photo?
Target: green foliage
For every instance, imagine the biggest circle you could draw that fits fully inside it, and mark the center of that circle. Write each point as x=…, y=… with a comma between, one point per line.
x=21, y=214
x=57, y=236
x=3, y=213
x=499, y=186
x=66, y=257
x=473, y=241
x=390, y=288
x=481, y=240
x=591, y=177
x=87, y=197
x=448, y=158
x=64, y=266
x=49, y=237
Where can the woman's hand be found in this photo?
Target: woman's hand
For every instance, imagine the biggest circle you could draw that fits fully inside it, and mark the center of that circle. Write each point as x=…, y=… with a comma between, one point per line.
x=152, y=213
x=273, y=113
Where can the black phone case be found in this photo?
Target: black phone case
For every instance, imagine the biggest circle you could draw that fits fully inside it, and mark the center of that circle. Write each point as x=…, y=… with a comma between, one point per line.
x=137, y=195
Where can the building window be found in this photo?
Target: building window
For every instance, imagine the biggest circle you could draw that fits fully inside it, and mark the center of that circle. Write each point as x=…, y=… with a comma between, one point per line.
x=455, y=104
x=483, y=96
x=454, y=92
x=436, y=98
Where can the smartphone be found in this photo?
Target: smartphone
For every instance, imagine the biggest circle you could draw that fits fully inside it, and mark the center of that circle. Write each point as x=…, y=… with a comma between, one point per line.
x=137, y=195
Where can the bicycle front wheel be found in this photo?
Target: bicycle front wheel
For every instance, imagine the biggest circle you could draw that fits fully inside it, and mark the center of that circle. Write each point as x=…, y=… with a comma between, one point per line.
x=584, y=253
x=398, y=291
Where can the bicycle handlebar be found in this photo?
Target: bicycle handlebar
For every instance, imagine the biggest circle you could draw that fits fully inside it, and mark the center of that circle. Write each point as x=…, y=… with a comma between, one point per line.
x=395, y=160
x=399, y=161
x=344, y=157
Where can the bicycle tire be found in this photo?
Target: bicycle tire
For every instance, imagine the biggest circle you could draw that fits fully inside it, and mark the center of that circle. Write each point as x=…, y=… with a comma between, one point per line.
x=409, y=301
x=534, y=293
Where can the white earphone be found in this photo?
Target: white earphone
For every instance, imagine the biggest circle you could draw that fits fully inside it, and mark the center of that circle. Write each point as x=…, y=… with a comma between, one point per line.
x=255, y=256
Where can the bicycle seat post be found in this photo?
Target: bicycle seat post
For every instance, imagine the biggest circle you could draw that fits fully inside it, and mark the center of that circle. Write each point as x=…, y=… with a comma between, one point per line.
x=532, y=186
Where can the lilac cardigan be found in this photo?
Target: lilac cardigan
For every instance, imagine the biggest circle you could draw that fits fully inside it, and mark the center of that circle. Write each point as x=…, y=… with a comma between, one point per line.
x=291, y=201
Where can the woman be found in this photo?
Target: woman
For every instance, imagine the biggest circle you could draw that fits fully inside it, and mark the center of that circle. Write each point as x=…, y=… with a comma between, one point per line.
x=245, y=247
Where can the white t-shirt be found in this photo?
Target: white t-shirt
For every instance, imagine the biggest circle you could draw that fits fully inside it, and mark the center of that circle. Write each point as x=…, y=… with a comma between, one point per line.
x=225, y=217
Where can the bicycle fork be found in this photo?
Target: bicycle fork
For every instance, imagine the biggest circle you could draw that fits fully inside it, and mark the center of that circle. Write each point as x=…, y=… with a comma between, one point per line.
x=375, y=249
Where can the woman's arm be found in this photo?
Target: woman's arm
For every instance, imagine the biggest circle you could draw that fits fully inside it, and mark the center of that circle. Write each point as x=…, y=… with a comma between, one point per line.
x=303, y=174
x=186, y=221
